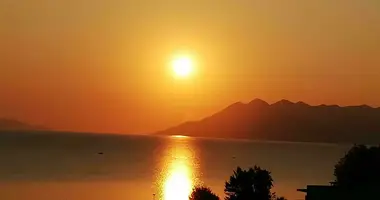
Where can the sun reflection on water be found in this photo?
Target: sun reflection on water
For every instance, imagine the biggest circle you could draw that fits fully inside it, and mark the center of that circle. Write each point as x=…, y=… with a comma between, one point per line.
x=179, y=170
x=179, y=182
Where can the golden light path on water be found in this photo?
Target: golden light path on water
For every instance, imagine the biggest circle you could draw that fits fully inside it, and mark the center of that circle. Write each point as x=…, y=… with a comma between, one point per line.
x=179, y=169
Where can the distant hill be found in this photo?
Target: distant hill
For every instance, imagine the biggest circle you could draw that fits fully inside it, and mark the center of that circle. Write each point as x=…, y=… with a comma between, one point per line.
x=10, y=124
x=288, y=121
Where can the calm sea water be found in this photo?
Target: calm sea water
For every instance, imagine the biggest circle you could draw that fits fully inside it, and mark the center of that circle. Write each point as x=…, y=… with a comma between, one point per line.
x=45, y=166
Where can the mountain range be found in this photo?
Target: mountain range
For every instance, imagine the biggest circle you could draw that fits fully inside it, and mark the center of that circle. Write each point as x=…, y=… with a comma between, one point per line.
x=287, y=121
x=11, y=124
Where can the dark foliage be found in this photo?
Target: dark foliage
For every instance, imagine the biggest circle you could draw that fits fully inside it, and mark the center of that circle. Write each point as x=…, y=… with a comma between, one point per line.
x=203, y=193
x=252, y=184
x=360, y=167
x=275, y=197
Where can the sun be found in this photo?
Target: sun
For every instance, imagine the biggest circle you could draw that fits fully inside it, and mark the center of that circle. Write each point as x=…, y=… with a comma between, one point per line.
x=182, y=67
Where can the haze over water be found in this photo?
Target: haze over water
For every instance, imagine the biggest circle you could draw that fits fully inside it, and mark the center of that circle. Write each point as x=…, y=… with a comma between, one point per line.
x=83, y=166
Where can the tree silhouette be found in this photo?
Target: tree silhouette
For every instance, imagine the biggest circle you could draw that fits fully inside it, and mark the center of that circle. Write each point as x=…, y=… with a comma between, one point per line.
x=203, y=193
x=360, y=167
x=252, y=184
x=275, y=197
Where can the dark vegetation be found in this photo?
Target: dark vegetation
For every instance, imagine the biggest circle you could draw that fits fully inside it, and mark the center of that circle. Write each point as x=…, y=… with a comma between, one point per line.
x=357, y=176
x=359, y=168
x=203, y=193
x=252, y=184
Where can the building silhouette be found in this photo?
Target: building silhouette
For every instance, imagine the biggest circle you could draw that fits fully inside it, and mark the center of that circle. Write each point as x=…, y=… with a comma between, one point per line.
x=331, y=192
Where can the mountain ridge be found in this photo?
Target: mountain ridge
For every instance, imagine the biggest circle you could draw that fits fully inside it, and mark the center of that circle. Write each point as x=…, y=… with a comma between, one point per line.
x=287, y=121
x=13, y=125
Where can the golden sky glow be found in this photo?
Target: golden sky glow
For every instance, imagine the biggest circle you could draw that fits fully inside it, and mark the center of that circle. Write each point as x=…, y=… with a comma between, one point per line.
x=101, y=66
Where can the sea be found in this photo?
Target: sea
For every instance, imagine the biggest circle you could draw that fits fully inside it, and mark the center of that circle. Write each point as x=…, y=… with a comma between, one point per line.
x=81, y=166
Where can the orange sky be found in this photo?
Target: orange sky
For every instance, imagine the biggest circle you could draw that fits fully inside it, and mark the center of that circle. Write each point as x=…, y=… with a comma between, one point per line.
x=101, y=66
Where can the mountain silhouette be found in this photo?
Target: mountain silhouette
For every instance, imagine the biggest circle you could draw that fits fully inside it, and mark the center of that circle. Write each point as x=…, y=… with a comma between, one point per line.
x=287, y=121
x=11, y=124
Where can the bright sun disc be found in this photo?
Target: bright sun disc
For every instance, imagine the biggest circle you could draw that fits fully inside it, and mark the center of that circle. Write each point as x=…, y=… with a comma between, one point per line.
x=182, y=67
